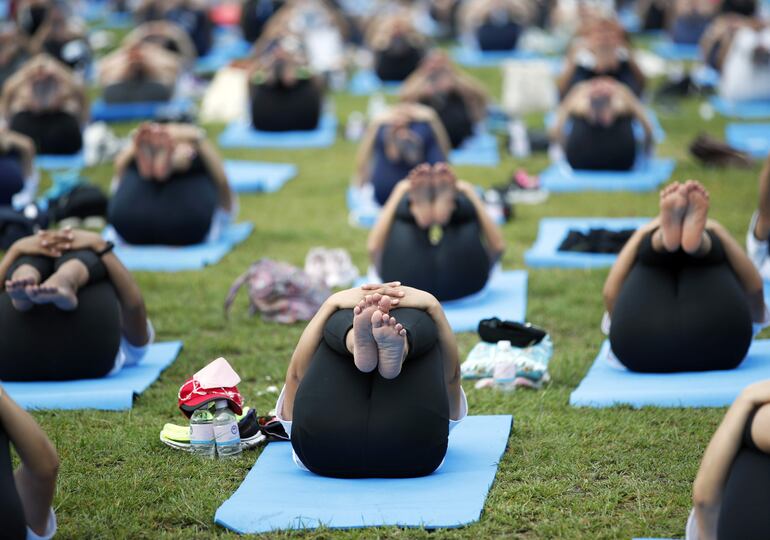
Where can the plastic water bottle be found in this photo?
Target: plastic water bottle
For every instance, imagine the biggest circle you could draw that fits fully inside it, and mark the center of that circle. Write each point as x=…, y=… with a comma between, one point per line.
x=376, y=105
x=202, y=433
x=505, y=366
x=226, y=430
x=519, y=140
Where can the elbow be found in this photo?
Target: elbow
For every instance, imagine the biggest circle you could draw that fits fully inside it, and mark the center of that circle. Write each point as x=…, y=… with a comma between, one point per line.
x=48, y=471
x=702, y=500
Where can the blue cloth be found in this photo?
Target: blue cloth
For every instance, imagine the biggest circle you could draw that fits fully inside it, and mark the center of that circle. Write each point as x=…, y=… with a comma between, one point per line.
x=112, y=393
x=606, y=385
x=545, y=253
x=249, y=176
x=365, y=82
x=53, y=162
x=472, y=57
x=277, y=495
x=559, y=177
x=175, y=259
x=754, y=139
x=479, y=150
x=125, y=112
x=227, y=47
x=243, y=135
x=676, y=52
x=504, y=296
x=746, y=110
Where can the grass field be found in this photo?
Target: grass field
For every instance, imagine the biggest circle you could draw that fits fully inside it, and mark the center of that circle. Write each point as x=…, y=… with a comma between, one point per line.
x=567, y=473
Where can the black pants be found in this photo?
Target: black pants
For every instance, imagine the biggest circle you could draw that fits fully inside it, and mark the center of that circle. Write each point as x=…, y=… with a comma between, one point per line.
x=56, y=133
x=397, y=65
x=11, y=177
x=46, y=343
x=177, y=212
x=282, y=108
x=454, y=268
x=137, y=91
x=597, y=147
x=676, y=312
x=454, y=115
x=498, y=37
x=11, y=511
x=746, y=497
x=623, y=74
x=350, y=424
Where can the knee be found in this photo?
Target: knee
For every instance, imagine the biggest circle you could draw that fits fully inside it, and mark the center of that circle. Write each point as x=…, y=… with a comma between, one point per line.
x=760, y=429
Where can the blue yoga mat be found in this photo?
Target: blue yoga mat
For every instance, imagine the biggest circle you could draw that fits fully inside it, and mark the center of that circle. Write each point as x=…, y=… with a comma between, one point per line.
x=480, y=150
x=112, y=393
x=243, y=135
x=605, y=385
x=545, y=253
x=705, y=76
x=745, y=110
x=276, y=495
x=677, y=52
x=559, y=177
x=365, y=82
x=250, y=176
x=504, y=296
x=472, y=57
x=49, y=162
x=126, y=112
x=175, y=259
x=754, y=139
x=227, y=47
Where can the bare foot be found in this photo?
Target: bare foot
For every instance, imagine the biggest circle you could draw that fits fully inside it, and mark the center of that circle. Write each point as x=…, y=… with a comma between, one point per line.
x=364, y=346
x=390, y=336
x=421, y=195
x=696, y=216
x=145, y=153
x=164, y=146
x=56, y=292
x=444, y=189
x=17, y=287
x=673, y=204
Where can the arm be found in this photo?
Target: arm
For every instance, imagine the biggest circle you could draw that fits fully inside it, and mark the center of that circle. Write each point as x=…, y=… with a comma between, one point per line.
x=623, y=265
x=365, y=151
x=565, y=110
x=719, y=456
x=44, y=243
x=36, y=477
x=375, y=244
x=639, y=112
x=216, y=169
x=450, y=356
x=493, y=236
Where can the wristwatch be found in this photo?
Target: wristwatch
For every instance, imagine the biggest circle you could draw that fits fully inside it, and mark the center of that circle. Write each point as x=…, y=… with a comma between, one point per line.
x=108, y=246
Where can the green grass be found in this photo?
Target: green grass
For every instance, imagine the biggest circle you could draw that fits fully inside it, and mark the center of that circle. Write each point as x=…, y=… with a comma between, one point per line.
x=567, y=473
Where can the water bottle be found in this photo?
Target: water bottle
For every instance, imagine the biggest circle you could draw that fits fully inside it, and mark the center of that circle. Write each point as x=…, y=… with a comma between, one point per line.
x=226, y=430
x=202, y=433
x=505, y=366
x=519, y=140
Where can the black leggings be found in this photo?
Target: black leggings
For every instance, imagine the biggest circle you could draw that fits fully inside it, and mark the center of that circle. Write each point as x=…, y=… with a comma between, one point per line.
x=177, y=212
x=350, y=424
x=597, y=147
x=137, y=91
x=454, y=115
x=11, y=177
x=56, y=133
x=454, y=268
x=46, y=343
x=282, y=108
x=11, y=511
x=498, y=37
x=676, y=312
x=397, y=65
x=746, y=497
x=623, y=74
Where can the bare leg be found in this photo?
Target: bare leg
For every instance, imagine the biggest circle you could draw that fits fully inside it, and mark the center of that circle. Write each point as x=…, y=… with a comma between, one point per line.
x=24, y=277
x=144, y=151
x=673, y=205
x=762, y=230
x=360, y=340
x=61, y=289
x=421, y=195
x=445, y=190
x=391, y=340
x=164, y=146
x=694, y=238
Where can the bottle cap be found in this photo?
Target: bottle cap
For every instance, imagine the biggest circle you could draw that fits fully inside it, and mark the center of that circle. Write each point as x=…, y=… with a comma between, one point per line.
x=504, y=344
x=223, y=403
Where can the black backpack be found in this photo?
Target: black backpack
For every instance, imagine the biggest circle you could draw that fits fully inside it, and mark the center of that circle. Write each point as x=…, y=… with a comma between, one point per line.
x=16, y=224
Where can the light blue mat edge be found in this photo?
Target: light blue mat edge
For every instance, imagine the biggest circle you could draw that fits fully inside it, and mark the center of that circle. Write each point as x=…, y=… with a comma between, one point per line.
x=749, y=110
x=497, y=426
x=323, y=136
x=119, y=112
x=559, y=178
x=755, y=367
x=754, y=139
x=99, y=395
x=257, y=176
x=545, y=253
